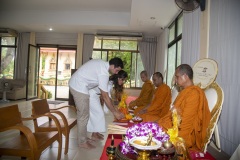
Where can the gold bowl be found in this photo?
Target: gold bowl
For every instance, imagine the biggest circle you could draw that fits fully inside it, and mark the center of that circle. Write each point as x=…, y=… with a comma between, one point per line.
x=140, y=143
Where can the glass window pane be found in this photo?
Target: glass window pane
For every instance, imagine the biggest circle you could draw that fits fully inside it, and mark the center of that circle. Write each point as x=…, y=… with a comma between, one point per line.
x=180, y=25
x=96, y=55
x=179, y=51
x=171, y=63
x=10, y=41
x=140, y=68
x=7, y=62
x=128, y=45
x=104, y=56
x=110, y=44
x=133, y=70
x=97, y=43
x=171, y=33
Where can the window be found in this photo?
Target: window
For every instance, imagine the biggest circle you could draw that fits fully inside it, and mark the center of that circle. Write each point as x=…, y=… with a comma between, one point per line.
x=7, y=51
x=174, y=47
x=127, y=50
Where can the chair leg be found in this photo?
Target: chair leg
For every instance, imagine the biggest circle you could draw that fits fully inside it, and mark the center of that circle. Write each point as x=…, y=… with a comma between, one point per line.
x=66, y=143
x=59, y=149
x=217, y=139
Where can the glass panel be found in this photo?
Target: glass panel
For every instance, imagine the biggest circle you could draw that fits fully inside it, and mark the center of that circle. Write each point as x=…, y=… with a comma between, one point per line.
x=97, y=43
x=10, y=41
x=179, y=52
x=140, y=68
x=128, y=45
x=171, y=63
x=32, y=84
x=171, y=33
x=110, y=44
x=47, y=70
x=180, y=25
x=133, y=70
x=7, y=62
x=104, y=56
x=96, y=55
x=66, y=62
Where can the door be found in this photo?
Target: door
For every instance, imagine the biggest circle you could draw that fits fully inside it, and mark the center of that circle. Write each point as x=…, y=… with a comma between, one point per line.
x=55, y=67
x=32, y=72
x=65, y=62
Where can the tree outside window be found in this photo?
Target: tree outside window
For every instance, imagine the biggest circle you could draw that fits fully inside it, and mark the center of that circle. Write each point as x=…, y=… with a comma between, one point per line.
x=127, y=50
x=7, y=51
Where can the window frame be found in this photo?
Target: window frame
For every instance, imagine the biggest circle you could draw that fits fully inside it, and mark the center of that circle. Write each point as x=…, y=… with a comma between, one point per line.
x=101, y=50
x=14, y=56
x=175, y=41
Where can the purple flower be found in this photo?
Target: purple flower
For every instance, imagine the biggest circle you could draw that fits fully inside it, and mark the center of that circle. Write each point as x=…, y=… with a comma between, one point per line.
x=142, y=129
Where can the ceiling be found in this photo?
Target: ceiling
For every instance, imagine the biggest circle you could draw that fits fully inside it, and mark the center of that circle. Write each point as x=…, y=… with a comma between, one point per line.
x=88, y=16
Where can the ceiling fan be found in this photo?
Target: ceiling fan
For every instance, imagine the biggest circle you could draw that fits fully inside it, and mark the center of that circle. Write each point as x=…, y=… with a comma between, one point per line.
x=191, y=5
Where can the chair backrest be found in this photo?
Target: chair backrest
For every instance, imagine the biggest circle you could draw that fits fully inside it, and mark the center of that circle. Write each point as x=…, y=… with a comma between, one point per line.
x=9, y=116
x=174, y=93
x=40, y=107
x=215, y=97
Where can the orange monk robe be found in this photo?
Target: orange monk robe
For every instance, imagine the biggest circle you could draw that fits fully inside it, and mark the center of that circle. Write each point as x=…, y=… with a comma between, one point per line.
x=192, y=107
x=160, y=104
x=145, y=96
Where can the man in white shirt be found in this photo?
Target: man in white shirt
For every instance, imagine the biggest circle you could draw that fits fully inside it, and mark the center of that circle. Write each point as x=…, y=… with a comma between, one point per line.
x=94, y=73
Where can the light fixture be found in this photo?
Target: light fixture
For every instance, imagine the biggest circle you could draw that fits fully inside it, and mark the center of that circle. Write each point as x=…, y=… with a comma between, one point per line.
x=50, y=29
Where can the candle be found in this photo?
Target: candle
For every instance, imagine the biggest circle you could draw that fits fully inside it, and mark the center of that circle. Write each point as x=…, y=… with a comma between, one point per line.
x=112, y=142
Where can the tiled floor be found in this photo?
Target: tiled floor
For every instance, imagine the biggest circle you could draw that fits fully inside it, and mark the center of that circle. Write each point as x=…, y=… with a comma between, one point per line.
x=74, y=152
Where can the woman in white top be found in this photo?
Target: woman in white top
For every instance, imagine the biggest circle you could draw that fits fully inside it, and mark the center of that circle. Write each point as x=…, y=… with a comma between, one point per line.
x=96, y=122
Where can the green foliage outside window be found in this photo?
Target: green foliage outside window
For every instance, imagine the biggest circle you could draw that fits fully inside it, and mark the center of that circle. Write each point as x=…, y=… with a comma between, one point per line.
x=127, y=50
x=8, y=49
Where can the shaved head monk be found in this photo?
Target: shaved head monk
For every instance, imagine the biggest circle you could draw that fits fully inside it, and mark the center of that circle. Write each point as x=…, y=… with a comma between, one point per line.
x=161, y=101
x=192, y=107
x=146, y=94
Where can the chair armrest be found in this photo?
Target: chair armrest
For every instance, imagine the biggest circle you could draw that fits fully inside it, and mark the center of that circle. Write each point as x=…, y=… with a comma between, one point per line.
x=49, y=115
x=65, y=122
x=27, y=132
x=72, y=107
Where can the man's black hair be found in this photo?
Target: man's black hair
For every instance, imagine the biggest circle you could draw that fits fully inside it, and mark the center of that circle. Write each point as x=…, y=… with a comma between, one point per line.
x=117, y=62
x=186, y=69
x=159, y=75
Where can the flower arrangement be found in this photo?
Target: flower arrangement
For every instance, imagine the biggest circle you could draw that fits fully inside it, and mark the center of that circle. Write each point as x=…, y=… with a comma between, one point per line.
x=173, y=132
x=142, y=129
x=122, y=106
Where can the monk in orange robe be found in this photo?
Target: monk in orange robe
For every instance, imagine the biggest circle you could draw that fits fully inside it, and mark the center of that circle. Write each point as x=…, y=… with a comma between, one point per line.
x=192, y=107
x=146, y=94
x=160, y=104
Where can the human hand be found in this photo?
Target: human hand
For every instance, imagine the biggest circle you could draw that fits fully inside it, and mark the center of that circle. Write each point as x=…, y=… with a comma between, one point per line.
x=118, y=115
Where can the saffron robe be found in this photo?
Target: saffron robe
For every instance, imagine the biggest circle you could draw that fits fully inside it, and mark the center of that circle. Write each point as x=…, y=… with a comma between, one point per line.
x=160, y=104
x=192, y=107
x=145, y=96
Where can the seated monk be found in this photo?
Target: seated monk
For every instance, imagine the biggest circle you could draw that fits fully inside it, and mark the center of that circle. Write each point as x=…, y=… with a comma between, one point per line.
x=146, y=94
x=192, y=107
x=160, y=104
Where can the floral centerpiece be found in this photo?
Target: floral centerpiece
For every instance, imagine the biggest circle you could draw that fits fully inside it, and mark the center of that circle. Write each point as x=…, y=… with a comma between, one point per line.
x=122, y=106
x=142, y=129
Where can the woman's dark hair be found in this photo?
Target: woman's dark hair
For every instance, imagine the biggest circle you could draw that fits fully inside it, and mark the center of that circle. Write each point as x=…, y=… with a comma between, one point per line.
x=118, y=89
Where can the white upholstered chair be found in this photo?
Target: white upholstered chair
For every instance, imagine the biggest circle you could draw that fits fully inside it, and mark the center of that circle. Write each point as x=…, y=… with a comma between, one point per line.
x=215, y=97
x=174, y=93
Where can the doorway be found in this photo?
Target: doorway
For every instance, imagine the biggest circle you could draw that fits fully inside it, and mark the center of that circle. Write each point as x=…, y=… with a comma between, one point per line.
x=55, y=70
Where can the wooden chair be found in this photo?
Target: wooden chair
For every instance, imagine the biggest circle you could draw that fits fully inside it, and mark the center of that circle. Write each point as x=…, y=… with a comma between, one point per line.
x=41, y=107
x=27, y=143
x=215, y=99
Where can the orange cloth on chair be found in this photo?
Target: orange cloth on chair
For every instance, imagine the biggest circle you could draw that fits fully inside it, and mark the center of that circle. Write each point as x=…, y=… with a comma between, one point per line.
x=192, y=107
x=145, y=96
x=160, y=104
